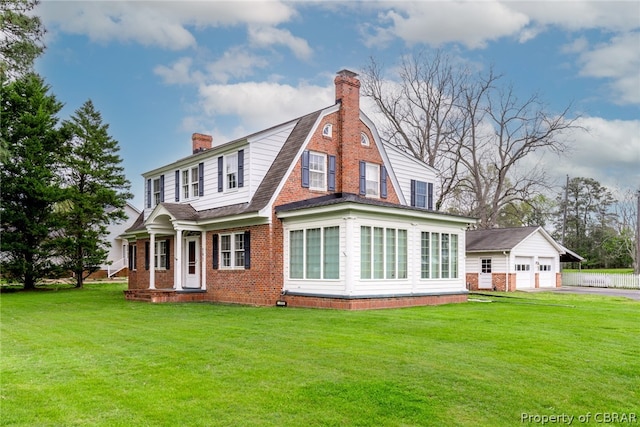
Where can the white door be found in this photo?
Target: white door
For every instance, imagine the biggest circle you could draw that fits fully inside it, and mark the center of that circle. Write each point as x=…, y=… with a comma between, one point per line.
x=546, y=273
x=191, y=261
x=524, y=273
x=485, y=278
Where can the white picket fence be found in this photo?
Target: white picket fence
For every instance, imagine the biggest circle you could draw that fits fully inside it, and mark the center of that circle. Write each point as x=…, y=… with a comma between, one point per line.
x=602, y=280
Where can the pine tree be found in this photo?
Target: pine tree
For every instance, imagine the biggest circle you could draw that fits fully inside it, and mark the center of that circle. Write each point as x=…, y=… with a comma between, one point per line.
x=21, y=41
x=30, y=185
x=96, y=192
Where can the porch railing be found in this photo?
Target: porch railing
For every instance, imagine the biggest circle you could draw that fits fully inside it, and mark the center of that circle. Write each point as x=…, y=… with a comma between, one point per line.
x=116, y=266
x=602, y=280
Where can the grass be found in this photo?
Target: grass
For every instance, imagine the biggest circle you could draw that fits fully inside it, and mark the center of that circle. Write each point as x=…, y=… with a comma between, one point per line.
x=88, y=357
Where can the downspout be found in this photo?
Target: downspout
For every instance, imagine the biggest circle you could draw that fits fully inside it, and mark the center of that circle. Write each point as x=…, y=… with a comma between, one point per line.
x=508, y=270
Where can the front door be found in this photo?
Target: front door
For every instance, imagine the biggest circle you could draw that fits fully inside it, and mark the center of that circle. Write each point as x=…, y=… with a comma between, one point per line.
x=192, y=263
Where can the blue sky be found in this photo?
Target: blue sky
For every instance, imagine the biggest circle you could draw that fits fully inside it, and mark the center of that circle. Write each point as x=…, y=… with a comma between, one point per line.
x=159, y=71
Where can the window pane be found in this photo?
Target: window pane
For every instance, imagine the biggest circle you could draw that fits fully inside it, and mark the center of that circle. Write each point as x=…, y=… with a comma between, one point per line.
x=378, y=253
x=435, y=255
x=185, y=184
x=225, y=250
x=454, y=256
x=296, y=254
x=232, y=170
x=317, y=171
x=239, y=250
x=391, y=253
x=365, y=252
x=421, y=194
x=424, y=255
x=402, y=254
x=445, y=256
x=372, y=179
x=332, y=253
x=313, y=253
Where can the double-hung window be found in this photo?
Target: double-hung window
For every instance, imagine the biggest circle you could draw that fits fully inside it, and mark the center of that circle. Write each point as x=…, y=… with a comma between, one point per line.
x=422, y=194
x=232, y=250
x=156, y=191
x=317, y=171
x=190, y=183
x=372, y=175
x=438, y=255
x=231, y=171
x=314, y=253
x=383, y=253
x=160, y=261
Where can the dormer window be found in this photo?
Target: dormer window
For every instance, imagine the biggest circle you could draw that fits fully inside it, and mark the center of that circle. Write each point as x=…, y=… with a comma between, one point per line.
x=327, y=130
x=364, y=139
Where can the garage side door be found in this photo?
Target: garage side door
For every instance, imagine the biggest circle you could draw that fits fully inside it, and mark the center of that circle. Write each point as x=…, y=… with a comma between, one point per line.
x=547, y=274
x=524, y=273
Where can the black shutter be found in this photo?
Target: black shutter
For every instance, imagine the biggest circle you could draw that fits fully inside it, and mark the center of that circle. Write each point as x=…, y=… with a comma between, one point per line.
x=240, y=168
x=363, y=178
x=146, y=255
x=383, y=182
x=167, y=264
x=130, y=257
x=148, y=193
x=430, y=196
x=305, y=169
x=215, y=252
x=200, y=179
x=220, y=183
x=331, y=178
x=413, y=192
x=162, y=188
x=177, y=186
x=247, y=250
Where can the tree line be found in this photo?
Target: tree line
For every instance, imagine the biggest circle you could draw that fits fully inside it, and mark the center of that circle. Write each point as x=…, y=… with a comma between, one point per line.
x=62, y=181
x=481, y=137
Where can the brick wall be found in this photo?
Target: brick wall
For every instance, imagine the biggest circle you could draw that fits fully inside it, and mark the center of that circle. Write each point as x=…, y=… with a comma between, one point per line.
x=371, y=303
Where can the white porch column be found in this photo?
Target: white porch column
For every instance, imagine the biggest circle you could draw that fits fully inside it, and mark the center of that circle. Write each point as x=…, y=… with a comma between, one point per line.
x=203, y=260
x=177, y=261
x=152, y=260
x=350, y=264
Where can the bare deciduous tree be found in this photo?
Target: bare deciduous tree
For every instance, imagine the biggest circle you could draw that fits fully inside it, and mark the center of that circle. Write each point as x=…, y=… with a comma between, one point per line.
x=475, y=131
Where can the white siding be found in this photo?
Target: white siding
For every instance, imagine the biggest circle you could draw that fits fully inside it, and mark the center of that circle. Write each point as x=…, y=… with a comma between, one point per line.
x=407, y=168
x=259, y=153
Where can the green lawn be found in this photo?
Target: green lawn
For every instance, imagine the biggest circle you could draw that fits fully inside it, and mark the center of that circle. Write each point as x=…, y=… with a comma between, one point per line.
x=88, y=357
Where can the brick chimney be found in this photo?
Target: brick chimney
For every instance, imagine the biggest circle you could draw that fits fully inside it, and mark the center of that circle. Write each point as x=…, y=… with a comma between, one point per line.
x=201, y=142
x=348, y=95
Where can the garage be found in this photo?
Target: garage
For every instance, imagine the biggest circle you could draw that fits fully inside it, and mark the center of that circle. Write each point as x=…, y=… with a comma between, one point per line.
x=512, y=259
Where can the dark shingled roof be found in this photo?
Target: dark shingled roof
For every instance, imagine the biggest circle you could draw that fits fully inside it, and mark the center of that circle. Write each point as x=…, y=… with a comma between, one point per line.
x=497, y=239
x=266, y=189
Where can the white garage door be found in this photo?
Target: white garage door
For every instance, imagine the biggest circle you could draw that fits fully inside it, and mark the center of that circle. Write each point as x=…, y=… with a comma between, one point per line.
x=524, y=273
x=546, y=273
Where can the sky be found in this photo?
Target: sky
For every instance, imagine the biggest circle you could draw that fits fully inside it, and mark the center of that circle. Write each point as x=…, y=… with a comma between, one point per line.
x=158, y=71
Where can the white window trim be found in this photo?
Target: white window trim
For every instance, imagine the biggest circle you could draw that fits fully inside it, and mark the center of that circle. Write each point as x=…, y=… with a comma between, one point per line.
x=323, y=272
x=396, y=255
x=226, y=171
x=377, y=180
x=190, y=188
x=233, y=249
x=155, y=183
x=323, y=181
x=158, y=255
x=364, y=140
x=327, y=130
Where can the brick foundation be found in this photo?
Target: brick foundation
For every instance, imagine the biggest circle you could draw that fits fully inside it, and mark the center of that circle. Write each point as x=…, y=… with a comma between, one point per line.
x=371, y=303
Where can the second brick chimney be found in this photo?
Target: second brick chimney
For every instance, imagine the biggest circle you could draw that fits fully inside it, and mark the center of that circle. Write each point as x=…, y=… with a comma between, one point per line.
x=348, y=95
x=201, y=142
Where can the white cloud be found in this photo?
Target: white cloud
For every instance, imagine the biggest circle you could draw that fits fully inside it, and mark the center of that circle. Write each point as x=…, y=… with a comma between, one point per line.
x=470, y=23
x=263, y=104
x=609, y=152
x=236, y=62
x=179, y=72
x=163, y=24
x=264, y=36
x=618, y=60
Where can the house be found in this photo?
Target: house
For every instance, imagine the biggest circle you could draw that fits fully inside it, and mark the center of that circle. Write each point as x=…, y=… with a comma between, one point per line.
x=313, y=212
x=508, y=259
x=117, y=260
